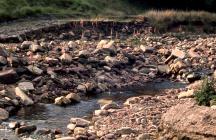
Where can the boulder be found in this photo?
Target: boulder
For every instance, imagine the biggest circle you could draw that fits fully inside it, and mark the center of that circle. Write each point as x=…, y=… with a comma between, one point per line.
x=26, y=45
x=178, y=53
x=73, y=97
x=66, y=138
x=3, y=114
x=4, y=52
x=147, y=49
x=80, y=131
x=62, y=101
x=187, y=120
x=186, y=94
x=26, y=86
x=110, y=106
x=66, y=58
x=80, y=122
x=193, y=77
x=25, y=129
x=3, y=61
x=35, y=70
x=71, y=126
x=8, y=76
x=164, y=69
x=125, y=131
x=13, y=125
x=25, y=99
x=36, y=48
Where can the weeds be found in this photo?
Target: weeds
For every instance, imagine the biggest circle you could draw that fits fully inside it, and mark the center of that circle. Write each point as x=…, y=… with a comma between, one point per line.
x=206, y=94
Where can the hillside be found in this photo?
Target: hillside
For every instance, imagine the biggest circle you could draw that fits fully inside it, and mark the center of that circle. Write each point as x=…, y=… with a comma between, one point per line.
x=10, y=9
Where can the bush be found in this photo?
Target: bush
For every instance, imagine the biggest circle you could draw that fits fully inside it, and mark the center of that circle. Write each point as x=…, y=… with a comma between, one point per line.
x=206, y=94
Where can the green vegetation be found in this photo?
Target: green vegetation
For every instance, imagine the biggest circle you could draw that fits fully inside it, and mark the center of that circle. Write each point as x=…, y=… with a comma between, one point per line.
x=206, y=94
x=13, y=9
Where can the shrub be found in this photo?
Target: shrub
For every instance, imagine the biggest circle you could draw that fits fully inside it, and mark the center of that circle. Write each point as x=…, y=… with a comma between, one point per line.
x=206, y=94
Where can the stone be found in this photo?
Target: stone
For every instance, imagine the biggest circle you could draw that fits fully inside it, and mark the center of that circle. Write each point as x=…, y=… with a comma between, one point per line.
x=73, y=97
x=102, y=43
x=36, y=48
x=66, y=138
x=84, y=53
x=80, y=122
x=146, y=49
x=109, y=59
x=71, y=126
x=213, y=107
x=26, y=86
x=62, y=101
x=3, y=114
x=43, y=131
x=26, y=45
x=82, y=88
x=178, y=53
x=101, y=113
x=80, y=131
x=25, y=129
x=125, y=131
x=195, y=85
x=110, y=106
x=3, y=61
x=104, y=101
x=188, y=120
x=25, y=99
x=177, y=66
x=4, y=52
x=66, y=58
x=193, y=77
x=35, y=70
x=13, y=125
x=8, y=76
x=143, y=137
x=164, y=69
x=186, y=94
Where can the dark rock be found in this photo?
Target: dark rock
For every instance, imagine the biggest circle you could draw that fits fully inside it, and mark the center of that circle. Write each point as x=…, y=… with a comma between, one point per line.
x=193, y=77
x=25, y=129
x=8, y=76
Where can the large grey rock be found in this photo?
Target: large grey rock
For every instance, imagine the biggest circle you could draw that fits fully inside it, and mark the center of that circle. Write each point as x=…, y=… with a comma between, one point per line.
x=190, y=121
x=26, y=86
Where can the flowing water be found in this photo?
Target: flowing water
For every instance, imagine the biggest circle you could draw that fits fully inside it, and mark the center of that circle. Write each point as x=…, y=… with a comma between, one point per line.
x=55, y=117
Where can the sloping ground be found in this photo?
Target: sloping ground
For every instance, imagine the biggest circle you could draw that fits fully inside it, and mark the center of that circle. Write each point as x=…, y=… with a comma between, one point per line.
x=189, y=121
x=10, y=9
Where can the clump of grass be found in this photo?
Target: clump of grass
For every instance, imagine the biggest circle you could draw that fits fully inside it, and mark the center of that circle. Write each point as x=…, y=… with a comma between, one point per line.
x=206, y=94
x=163, y=20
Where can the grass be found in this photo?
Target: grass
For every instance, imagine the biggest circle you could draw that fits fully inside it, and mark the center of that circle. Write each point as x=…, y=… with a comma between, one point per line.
x=10, y=9
x=163, y=20
x=206, y=94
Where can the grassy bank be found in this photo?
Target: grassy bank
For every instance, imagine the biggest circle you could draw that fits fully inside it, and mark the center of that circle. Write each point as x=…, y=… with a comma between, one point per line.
x=10, y=9
x=191, y=20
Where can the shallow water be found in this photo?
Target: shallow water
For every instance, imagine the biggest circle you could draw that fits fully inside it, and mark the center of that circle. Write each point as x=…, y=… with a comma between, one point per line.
x=53, y=117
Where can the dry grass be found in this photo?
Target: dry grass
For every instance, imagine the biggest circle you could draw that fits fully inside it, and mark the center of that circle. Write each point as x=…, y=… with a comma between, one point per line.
x=164, y=19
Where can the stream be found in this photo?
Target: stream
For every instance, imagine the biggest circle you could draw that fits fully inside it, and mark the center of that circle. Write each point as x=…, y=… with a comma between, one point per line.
x=56, y=117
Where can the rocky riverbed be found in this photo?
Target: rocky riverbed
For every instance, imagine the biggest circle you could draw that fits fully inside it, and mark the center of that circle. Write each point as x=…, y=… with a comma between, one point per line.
x=62, y=70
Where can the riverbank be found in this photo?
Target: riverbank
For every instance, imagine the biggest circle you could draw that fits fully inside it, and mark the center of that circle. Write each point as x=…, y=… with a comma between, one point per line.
x=65, y=67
